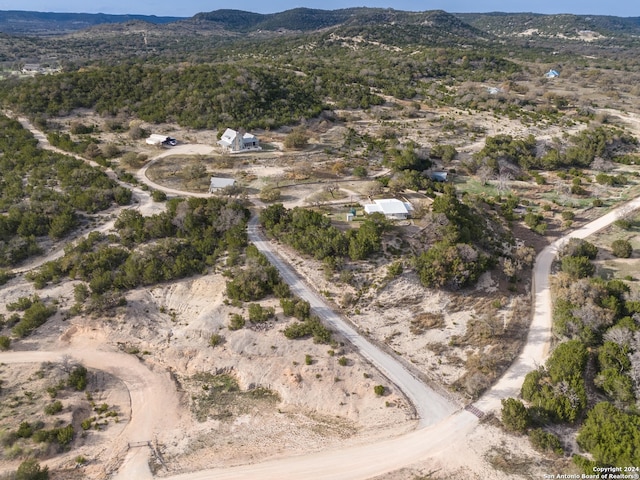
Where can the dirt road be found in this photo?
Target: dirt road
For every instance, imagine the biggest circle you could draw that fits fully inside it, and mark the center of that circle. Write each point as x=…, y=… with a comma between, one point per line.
x=536, y=349
x=430, y=406
x=154, y=401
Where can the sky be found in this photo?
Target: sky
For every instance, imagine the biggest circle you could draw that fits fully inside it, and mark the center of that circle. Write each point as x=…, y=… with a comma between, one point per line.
x=188, y=8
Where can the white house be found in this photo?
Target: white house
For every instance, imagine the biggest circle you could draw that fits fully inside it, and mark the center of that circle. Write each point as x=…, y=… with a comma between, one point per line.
x=218, y=183
x=390, y=208
x=238, y=141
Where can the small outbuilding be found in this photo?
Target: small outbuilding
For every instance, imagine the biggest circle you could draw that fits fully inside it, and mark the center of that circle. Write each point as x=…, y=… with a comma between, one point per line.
x=156, y=139
x=390, y=208
x=235, y=142
x=552, y=74
x=438, y=176
x=218, y=183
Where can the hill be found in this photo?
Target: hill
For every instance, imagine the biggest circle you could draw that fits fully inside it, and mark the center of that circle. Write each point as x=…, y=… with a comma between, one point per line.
x=565, y=26
x=16, y=22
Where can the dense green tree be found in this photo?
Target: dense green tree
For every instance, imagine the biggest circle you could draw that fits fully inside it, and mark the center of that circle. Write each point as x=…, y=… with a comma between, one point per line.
x=578, y=267
x=297, y=138
x=545, y=442
x=453, y=266
x=514, y=414
x=611, y=436
x=577, y=247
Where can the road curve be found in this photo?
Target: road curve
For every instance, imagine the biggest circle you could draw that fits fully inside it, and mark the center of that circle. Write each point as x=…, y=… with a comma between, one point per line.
x=148, y=418
x=538, y=342
x=352, y=463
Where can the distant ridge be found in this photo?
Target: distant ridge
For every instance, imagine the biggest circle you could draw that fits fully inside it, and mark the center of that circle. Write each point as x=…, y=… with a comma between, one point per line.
x=18, y=22
x=569, y=25
x=424, y=26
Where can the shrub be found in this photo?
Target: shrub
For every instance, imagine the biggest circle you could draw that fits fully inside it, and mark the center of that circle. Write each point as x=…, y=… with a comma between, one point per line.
x=25, y=430
x=297, y=139
x=577, y=247
x=34, y=316
x=78, y=378
x=22, y=303
x=270, y=194
x=545, y=441
x=65, y=435
x=515, y=416
x=215, y=339
x=623, y=223
x=308, y=360
x=621, y=248
x=5, y=275
x=260, y=314
x=158, y=196
x=379, y=390
x=343, y=361
x=310, y=327
x=237, y=322
x=578, y=267
x=302, y=309
x=395, y=269
x=360, y=171
x=5, y=342
x=53, y=408
x=30, y=470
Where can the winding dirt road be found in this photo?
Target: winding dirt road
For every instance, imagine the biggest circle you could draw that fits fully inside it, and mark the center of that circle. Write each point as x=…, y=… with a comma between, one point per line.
x=154, y=400
x=439, y=428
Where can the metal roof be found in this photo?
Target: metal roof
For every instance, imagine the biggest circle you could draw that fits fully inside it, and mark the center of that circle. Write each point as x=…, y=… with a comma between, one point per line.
x=219, y=182
x=389, y=206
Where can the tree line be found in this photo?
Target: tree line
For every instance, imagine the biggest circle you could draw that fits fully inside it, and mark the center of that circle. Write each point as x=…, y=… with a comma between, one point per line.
x=43, y=193
x=311, y=233
x=186, y=239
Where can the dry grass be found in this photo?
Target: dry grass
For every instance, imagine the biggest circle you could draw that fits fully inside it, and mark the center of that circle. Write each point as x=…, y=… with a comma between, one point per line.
x=425, y=321
x=219, y=397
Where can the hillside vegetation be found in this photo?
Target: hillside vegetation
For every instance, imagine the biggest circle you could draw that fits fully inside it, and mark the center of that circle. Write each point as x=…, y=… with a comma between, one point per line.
x=358, y=103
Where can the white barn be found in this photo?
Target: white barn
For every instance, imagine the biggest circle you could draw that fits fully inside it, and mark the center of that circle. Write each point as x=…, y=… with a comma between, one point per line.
x=390, y=208
x=238, y=141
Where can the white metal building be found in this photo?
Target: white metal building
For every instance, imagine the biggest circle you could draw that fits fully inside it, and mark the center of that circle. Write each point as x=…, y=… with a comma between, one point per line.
x=390, y=208
x=218, y=183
